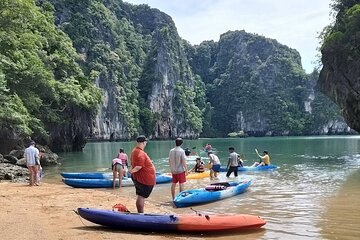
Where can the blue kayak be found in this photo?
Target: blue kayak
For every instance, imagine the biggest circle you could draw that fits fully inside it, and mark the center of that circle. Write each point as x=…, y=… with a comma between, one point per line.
x=211, y=193
x=248, y=168
x=89, y=175
x=171, y=222
x=107, y=183
x=96, y=183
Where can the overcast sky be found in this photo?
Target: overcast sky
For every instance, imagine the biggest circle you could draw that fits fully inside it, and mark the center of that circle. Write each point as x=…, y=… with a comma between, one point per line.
x=295, y=23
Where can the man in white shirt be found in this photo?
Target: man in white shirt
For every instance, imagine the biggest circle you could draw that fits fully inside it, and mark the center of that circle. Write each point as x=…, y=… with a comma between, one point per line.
x=31, y=155
x=177, y=163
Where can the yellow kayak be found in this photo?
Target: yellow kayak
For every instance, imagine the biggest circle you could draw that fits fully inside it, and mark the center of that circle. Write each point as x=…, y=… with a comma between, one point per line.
x=198, y=175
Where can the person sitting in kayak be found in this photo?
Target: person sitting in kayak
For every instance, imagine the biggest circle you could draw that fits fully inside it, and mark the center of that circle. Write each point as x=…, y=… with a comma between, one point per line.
x=199, y=166
x=264, y=160
x=215, y=165
x=187, y=152
x=117, y=168
x=208, y=147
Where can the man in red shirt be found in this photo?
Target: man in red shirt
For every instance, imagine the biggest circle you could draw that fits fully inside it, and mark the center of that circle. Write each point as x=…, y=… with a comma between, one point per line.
x=142, y=173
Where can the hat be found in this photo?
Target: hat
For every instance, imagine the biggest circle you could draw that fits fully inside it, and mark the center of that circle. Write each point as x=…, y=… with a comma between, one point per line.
x=141, y=138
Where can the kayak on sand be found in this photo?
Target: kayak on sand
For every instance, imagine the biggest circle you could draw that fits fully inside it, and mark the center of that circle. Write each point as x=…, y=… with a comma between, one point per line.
x=171, y=222
x=107, y=183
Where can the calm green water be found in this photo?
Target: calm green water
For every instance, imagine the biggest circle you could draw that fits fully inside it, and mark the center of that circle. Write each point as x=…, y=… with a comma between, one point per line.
x=313, y=195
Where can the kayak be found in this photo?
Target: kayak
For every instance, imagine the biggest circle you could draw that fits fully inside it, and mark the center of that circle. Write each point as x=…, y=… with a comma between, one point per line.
x=259, y=168
x=171, y=222
x=87, y=175
x=198, y=175
x=108, y=183
x=249, y=168
x=160, y=178
x=96, y=183
x=214, y=192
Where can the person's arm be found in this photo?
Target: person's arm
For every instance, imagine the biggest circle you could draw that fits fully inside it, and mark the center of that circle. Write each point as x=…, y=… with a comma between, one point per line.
x=183, y=160
x=135, y=169
x=228, y=165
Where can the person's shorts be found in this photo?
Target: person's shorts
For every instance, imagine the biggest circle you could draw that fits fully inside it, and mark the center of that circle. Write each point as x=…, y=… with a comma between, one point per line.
x=142, y=190
x=179, y=177
x=117, y=167
x=216, y=168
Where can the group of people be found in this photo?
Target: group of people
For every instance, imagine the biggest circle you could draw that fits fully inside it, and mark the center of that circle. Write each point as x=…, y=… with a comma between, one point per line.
x=143, y=171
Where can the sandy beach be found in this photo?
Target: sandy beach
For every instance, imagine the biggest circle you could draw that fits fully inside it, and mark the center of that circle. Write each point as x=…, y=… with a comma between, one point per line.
x=46, y=212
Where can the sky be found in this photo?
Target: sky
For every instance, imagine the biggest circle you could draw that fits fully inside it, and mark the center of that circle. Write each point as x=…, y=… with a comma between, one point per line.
x=295, y=23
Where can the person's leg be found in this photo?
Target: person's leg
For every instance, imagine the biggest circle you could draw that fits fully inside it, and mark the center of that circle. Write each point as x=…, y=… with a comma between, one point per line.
x=31, y=176
x=114, y=178
x=255, y=164
x=140, y=201
x=236, y=171
x=173, y=186
x=121, y=174
x=181, y=187
x=211, y=174
x=35, y=172
x=228, y=172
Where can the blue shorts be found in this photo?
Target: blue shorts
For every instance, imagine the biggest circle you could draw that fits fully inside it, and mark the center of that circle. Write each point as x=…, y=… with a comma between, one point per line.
x=216, y=168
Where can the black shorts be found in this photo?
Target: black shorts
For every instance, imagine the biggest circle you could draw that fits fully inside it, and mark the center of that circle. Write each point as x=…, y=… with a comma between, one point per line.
x=141, y=189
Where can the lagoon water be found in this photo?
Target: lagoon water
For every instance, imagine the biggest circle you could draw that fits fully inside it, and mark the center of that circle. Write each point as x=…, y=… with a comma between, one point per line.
x=315, y=194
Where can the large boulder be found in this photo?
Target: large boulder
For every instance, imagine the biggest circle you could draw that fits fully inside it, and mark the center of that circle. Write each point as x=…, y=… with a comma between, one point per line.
x=13, y=172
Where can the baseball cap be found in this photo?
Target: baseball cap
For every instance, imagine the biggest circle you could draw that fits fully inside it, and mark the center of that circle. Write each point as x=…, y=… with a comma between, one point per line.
x=141, y=138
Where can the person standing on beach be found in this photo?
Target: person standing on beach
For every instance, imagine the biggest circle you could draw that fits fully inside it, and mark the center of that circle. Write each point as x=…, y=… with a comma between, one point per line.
x=124, y=160
x=117, y=169
x=142, y=173
x=178, y=167
x=31, y=155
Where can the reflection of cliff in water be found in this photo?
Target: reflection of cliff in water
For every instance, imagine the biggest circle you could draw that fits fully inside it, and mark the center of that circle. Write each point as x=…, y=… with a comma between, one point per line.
x=341, y=219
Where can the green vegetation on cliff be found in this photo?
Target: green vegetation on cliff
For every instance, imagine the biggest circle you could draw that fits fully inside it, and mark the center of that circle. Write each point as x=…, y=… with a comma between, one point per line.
x=40, y=80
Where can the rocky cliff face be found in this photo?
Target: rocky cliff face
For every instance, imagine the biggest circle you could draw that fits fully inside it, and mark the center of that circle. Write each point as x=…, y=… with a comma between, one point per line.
x=340, y=75
x=258, y=86
x=340, y=80
x=134, y=54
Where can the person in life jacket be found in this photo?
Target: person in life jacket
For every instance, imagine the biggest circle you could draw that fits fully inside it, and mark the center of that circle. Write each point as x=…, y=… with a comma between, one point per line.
x=199, y=166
